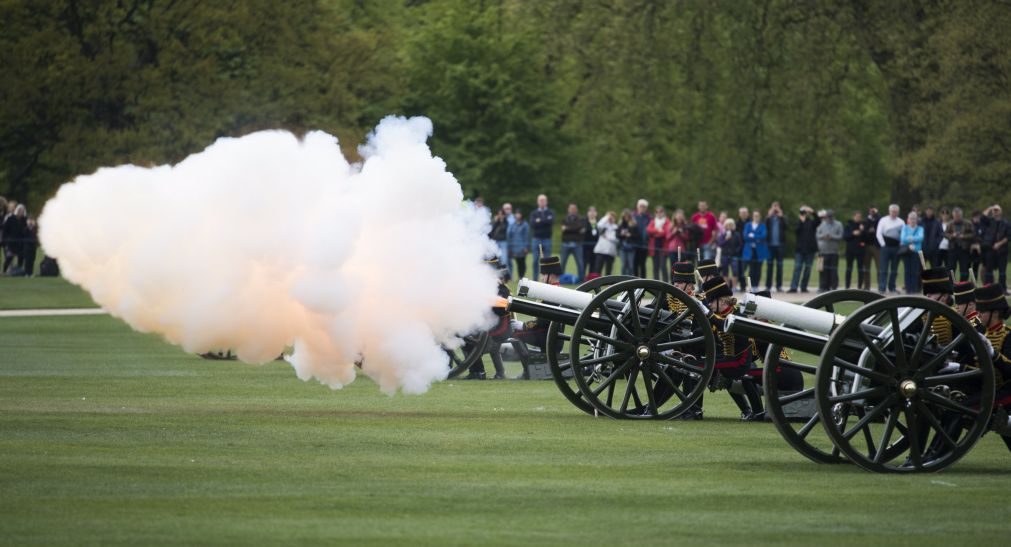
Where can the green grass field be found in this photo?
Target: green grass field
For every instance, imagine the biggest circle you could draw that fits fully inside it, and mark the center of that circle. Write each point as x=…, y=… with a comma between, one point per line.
x=111, y=437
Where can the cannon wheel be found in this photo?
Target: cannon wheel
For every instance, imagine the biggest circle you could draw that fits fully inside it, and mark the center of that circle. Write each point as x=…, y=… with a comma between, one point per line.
x=804, y=436
x=637, y=368
x=911, y=417
x=461, y=358
x=557, y=337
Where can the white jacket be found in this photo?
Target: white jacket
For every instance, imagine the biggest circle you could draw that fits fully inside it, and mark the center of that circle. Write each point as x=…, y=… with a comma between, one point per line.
x=608, y=242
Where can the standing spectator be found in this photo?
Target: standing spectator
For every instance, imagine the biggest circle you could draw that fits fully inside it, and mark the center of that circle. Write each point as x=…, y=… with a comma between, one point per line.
x=481, y=208
x=756, y=250
x=911, y=239
x=629, y=241
x=743, y=218
x=607, y=245
x=933, y=233
x=30, y=247
x=706, y=221
x=888, y=232
x=872, y=249
x=573, y=232
x=519, y=243
x=642, y=220
x=500, y=235
x=721, y=220
x=807, y=246
x=829, y=234
x=945, y=245
x=961, y=237
x=508, y=209
x=542, y=222
x=14, y=228
x=775, y=225
x=589, y=240
x=730, y=243
x=679, y=238
x=995, y=237
x=976, y=249
x=657, y=233
x=853, y=233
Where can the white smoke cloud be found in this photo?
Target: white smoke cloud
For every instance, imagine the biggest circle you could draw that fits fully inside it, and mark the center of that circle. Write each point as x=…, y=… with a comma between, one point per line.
x=268, y=241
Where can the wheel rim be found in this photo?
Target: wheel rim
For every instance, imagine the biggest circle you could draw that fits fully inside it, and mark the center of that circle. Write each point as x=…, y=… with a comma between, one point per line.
x=557, y=337
x=637, y=366
x=804, y=436
x=461, y=358
x=910, y=416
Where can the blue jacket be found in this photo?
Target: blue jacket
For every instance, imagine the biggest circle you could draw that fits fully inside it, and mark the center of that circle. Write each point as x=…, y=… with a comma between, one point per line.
x=912, y=236
x=518, y=237
x=755, y=244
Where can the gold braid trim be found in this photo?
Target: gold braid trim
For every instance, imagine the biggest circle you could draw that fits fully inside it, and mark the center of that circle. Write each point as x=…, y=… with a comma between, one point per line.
x=675, y=305
x=941, y=328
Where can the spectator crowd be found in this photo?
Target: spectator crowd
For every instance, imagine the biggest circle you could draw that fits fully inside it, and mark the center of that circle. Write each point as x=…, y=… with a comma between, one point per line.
x=19, y=239
x=865, y=251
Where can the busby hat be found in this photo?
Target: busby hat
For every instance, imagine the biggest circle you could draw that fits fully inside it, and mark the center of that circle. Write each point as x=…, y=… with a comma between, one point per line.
x=990, y=297
x=716, y=287
x=683, y=272
x=551, y=265
x=493, y=262
x=708, y=268
x=964, y=292
x=936, y=281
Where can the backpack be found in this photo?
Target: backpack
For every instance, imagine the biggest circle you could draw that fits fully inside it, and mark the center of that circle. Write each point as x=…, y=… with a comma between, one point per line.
x=49, y=267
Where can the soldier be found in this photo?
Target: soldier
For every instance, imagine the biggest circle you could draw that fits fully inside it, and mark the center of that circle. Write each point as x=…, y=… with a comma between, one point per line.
x=682, y=277
x=964, y=295
x=734, y=354
x=708, y=269
x=993, y=309
x=535, y=332
x=937, y=286
x=499, y=333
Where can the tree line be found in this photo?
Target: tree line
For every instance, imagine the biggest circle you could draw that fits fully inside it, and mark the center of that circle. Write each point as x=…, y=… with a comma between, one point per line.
x=833, y=102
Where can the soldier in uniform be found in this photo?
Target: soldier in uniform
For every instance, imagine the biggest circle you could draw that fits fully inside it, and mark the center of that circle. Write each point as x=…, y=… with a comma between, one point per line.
x=535, y=332
x=708, y=269
x=964, y=296
x=499, y=333
x=682, y=277
x=937, y=286
x=993, y=309
x=734, y=355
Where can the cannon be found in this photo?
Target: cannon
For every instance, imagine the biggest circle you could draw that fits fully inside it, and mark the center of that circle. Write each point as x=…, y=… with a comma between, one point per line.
x=890, y=396
x=628, y=353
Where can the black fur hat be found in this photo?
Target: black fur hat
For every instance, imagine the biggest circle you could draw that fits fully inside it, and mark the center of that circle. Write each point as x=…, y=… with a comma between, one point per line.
x=551, y=265
x=991, y=297
x=683, y=272
x=716, y=287
x=936, y=281
x=964, y=292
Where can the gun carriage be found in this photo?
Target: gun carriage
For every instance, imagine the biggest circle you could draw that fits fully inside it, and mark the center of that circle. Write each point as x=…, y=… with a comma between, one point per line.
x=887, y=392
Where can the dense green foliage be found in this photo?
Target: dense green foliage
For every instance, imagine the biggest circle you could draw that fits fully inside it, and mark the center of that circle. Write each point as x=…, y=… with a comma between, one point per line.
x=834, y=102
x=111, y=437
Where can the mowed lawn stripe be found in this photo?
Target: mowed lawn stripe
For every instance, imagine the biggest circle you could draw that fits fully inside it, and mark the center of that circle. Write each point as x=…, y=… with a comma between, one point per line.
x=113, y=437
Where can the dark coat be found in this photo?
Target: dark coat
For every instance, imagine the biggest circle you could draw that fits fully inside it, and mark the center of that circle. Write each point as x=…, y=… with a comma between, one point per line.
x=854, y=242
x=541, y=223
x=933, y=233
x=807, y=239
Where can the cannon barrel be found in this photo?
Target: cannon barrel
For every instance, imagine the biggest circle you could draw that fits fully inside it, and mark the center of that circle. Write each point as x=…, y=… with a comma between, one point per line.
x=558, y=314
x=802, y=317
x=789, y=337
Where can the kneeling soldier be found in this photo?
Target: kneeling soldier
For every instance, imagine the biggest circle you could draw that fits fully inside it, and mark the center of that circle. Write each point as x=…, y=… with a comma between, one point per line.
x=733, y=353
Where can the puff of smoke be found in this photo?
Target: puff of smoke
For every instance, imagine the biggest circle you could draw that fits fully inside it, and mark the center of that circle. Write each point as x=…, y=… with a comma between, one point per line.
x=268, y=241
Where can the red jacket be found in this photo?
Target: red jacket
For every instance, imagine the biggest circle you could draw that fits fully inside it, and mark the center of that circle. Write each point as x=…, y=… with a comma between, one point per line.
x=657, y=236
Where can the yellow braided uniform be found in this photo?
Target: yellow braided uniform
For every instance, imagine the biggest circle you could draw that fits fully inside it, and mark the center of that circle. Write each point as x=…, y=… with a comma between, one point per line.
x=998, y=337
